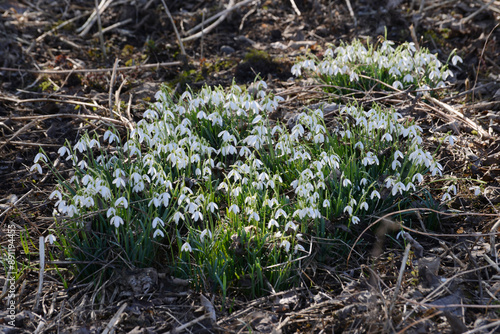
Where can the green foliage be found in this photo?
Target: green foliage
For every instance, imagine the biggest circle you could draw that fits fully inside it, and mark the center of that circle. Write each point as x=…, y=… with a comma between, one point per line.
x=352, y=67
x=208, y=186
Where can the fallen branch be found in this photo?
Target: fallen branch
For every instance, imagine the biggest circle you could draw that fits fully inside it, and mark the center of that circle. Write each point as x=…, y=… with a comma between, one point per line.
x=183, y=51
x=83, y=30
x=471, y=16
x=460, y=117
x=93, y=70
x=223, y=16
x=214, y=17
x=114, y=320
x=99, y=118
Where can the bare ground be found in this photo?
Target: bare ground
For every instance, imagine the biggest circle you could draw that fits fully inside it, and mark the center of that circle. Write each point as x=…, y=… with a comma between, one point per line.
x=55, y=83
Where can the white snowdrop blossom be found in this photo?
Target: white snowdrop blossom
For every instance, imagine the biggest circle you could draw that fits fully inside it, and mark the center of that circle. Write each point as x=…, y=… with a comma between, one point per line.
x=291, y=225
x=279, y=213
x=186, y=247
x=375, y=194
x=40, y=156
x=37, y=167
x=348, y=209
x=212, y=207
x=272, y=222
x=50, y=239
x=346, y=183
x=157, y=221
x=110, y=212
x=122, y=201
x=117, y=221
x=234, y=208
x=446, y=197
x=286, y=245
x=477, y=190
x=158, y=233
x=204, y=233
x=456, y=59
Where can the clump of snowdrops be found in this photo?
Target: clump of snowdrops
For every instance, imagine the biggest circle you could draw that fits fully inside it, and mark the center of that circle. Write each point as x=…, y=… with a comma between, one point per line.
x=208, y=186
x=352, y=67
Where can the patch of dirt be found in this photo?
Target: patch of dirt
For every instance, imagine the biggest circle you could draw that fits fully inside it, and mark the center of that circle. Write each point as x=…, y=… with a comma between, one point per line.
x=57, y=80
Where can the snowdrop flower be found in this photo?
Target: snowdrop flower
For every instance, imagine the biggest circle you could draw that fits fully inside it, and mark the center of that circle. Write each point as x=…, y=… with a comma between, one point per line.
x=63, y=150
x=346, y=182
x=157, y=221
x=50, y=239
x=360, y=145
x=37, y=167
x=298, y=247
x=398, y=187
x=296, y=70
x=326, y=203
x=285, y=244
x=456, y=59
x=451, y=140
x=348, y=208
x=408, y=78
x=397, y=85
x=395, y=164
x=254, y=216
x=212, y=207
x=291, y=225
x=177, y=217
x=354, y=76
x=186, y=247
x=374, y=194
x=272, y=223
x=157, y=233
x=110, y=212
x=387, y=137
x=117, y=221
x=418, y=177
x=409, y=186
x=204, y=233
x=119, y=182
x=280, y=212
x=56, y=193
x=40, y=156
x=446, y=197
x=364, y=206
x=477, y=190
x=355, y=220
x=234, y=208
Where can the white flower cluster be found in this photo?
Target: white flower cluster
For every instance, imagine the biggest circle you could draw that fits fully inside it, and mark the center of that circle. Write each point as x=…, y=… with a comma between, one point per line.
x=399, y=67
x=259, y=167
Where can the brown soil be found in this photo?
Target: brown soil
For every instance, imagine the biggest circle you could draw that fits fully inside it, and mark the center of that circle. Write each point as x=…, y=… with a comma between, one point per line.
x=55, y=81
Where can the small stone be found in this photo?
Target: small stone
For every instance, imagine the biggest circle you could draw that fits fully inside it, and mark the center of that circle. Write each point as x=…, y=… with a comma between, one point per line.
x=225, y=49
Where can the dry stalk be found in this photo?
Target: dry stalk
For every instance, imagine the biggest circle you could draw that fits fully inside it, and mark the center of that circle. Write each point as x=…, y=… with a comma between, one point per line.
x=41, y=243
x=94, y=70
x=214, y=17
x=111, y=84
x=113, y=26
x=111, y=324
x=99, y=25
x=295, y=8
x=223, y=16
x=183, y=51
x=471, y=16
x=83, y=30
x=18, y=132
x=400, y=279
